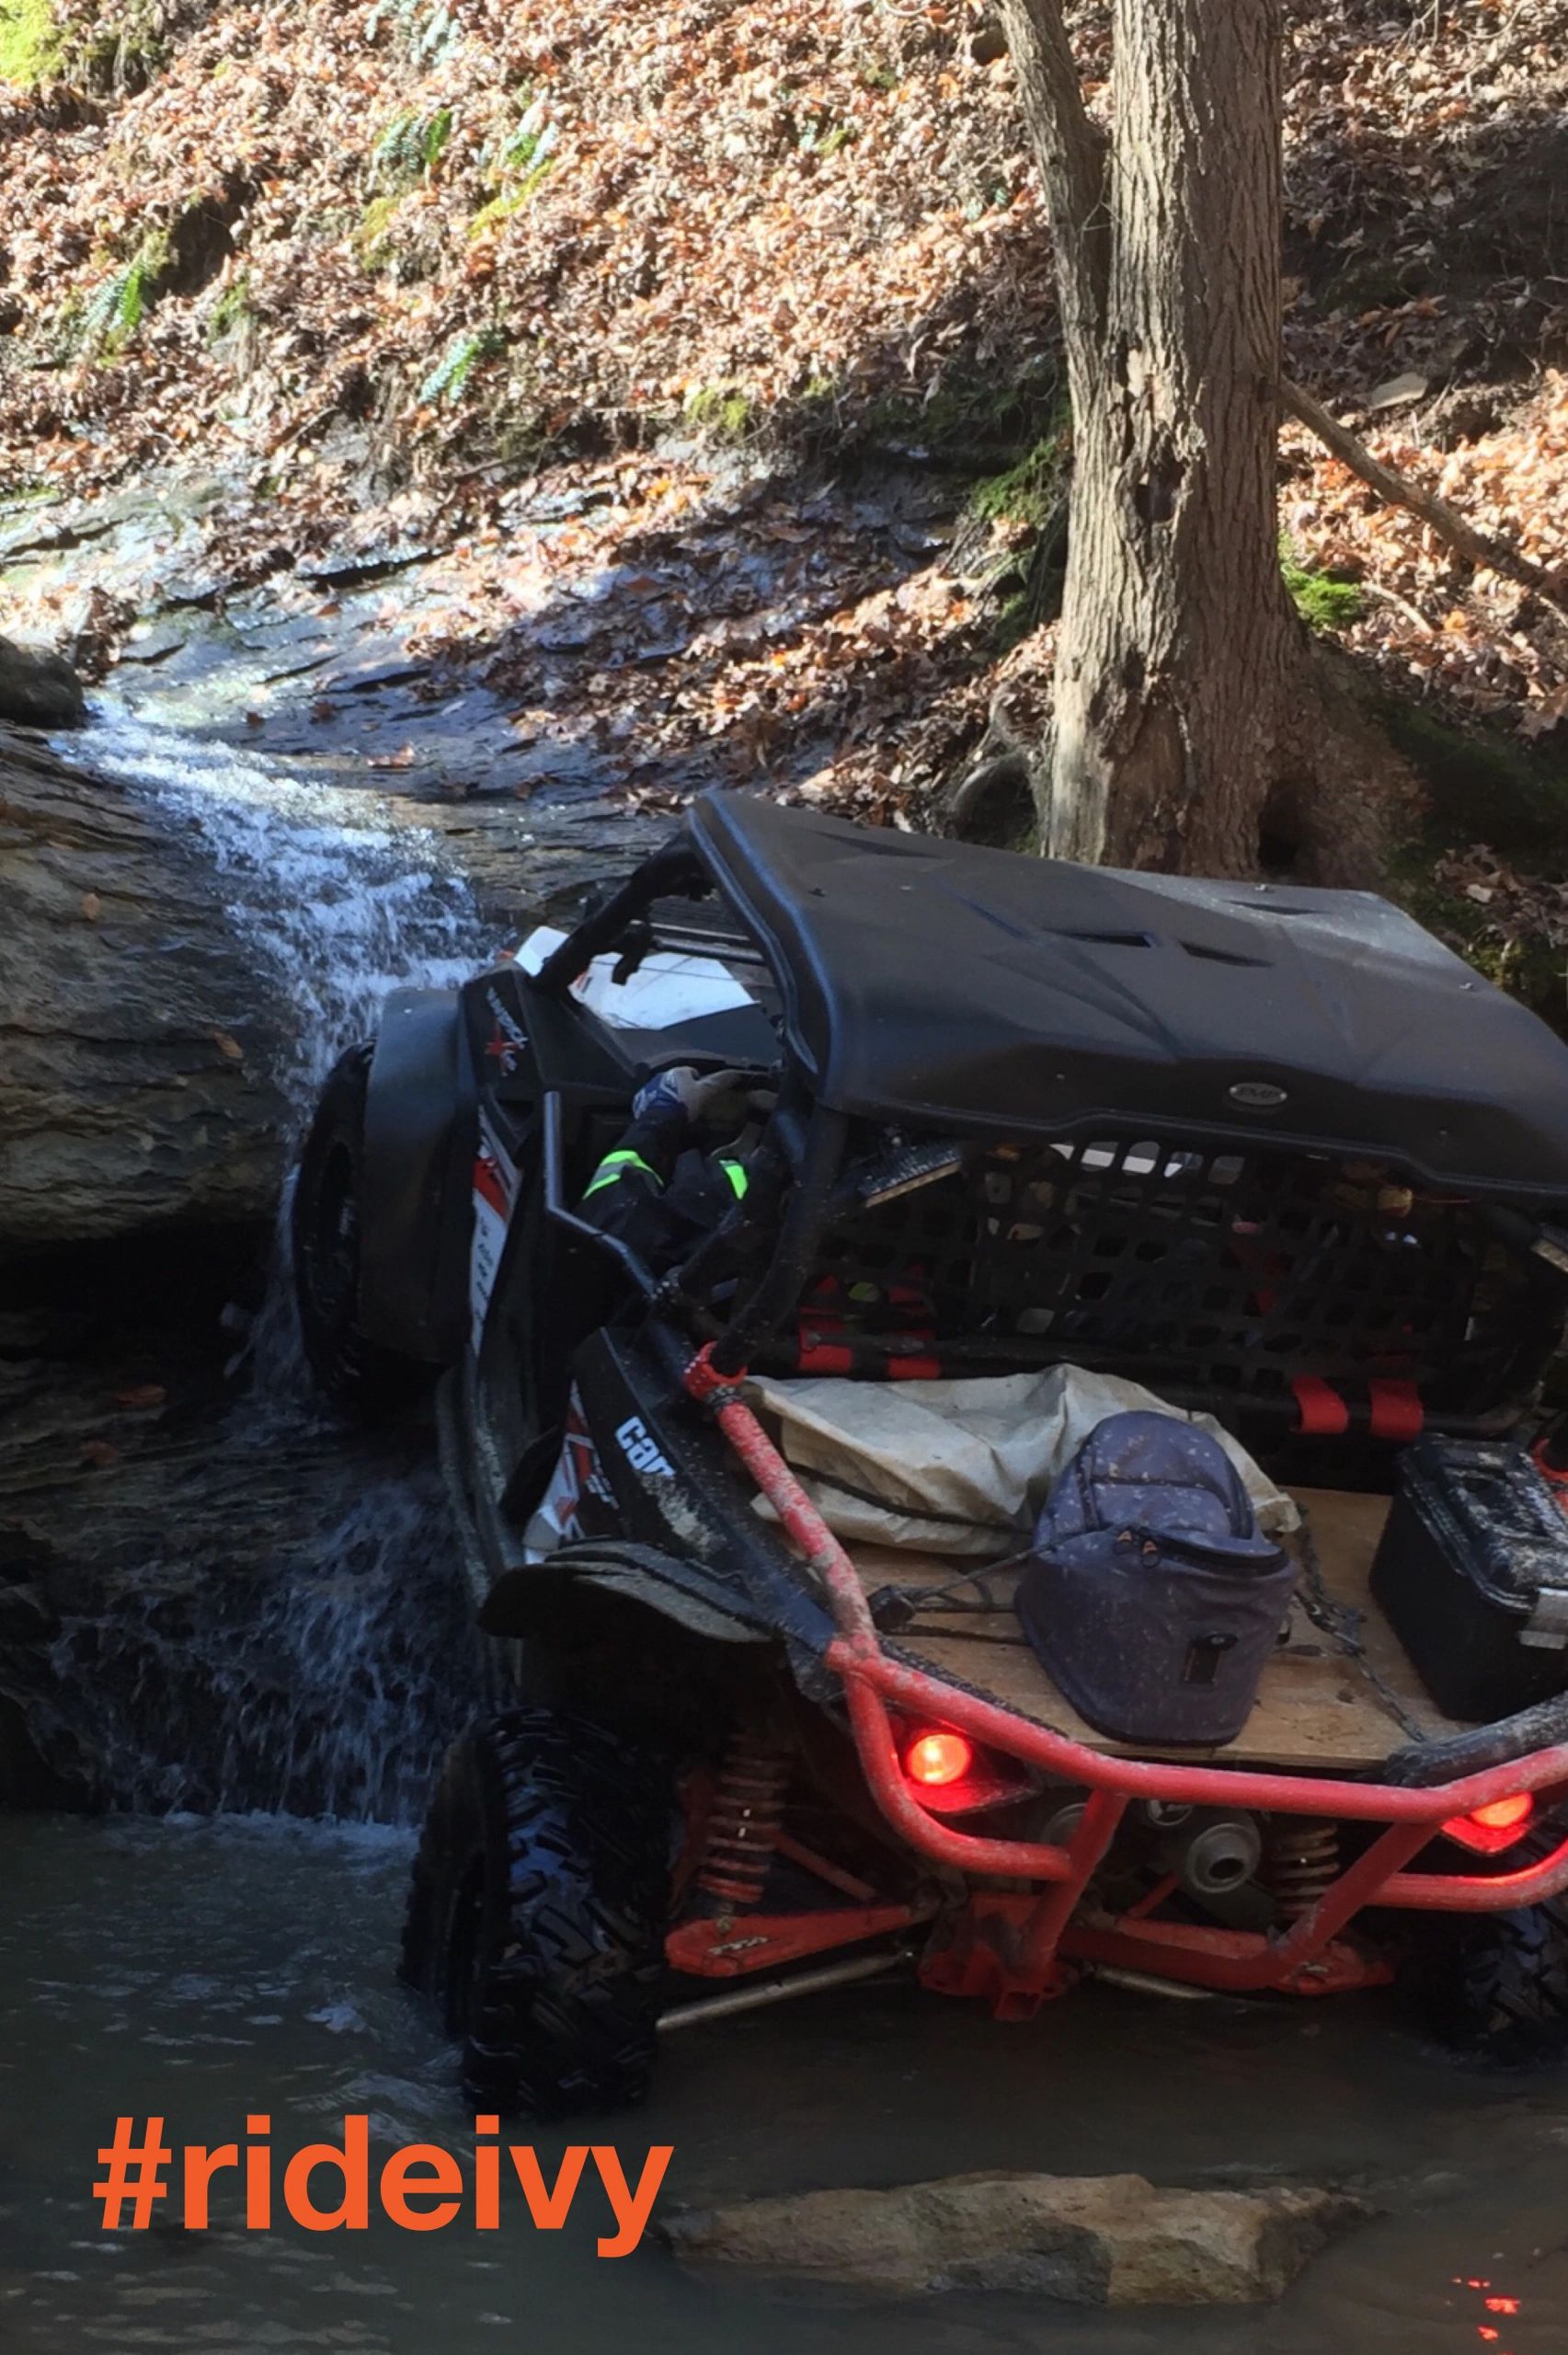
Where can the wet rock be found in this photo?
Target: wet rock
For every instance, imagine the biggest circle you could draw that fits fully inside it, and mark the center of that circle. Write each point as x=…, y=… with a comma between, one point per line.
x=1090, y=2240
x=38, y=690
x=994, y=803
x=205, y=1606
x=136, y=1038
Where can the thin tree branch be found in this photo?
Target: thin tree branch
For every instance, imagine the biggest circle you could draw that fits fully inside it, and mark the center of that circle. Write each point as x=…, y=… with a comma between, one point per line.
x=1476, y=547
x=1071, y=150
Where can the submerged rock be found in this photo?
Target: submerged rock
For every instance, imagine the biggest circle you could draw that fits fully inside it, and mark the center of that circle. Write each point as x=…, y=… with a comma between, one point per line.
x=1114, y=2240
x=136, y=1036
x=38, y=690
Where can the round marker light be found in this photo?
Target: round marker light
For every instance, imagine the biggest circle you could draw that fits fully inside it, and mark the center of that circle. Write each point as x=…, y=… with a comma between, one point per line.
x=1489, y=1829
x=1501, y=1814
x=938, y=1757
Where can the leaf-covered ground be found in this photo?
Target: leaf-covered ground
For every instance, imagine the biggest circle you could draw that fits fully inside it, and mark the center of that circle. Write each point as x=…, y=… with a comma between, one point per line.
x=701, y=267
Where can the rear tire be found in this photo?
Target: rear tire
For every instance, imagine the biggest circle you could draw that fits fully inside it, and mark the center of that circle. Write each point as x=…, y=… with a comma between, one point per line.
x=536, y=1919
x=1495, y=1985
x=364, y=1379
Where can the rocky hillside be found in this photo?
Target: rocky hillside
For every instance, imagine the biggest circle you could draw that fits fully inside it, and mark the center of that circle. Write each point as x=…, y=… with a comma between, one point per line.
x=376, y=273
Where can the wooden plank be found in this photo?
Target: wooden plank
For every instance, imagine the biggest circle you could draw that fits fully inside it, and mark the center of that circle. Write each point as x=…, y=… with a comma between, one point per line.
x=1316, y=1706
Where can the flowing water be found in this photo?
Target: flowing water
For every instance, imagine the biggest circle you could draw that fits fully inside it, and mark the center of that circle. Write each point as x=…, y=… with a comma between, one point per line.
x=206, y=1965
x=207, y=1970
x=326, y=1675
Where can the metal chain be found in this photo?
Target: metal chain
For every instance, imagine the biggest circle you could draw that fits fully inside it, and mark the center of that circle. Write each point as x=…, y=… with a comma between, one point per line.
x=1341, y=1623
x=897, y=1607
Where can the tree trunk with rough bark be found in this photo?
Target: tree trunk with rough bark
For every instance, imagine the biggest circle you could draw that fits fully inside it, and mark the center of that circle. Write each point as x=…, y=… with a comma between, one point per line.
x=1190, y=722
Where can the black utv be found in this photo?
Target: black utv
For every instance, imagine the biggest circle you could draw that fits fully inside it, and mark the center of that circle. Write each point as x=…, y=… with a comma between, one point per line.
x=1273, y=1154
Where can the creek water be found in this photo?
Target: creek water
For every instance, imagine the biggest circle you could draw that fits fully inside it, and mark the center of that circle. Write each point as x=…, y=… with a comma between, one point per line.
x=204, y=1970
x=225, y=1944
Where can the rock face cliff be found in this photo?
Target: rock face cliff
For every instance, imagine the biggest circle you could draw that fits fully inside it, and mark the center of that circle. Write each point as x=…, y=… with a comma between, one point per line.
x=39, y=689
x=136, y=1039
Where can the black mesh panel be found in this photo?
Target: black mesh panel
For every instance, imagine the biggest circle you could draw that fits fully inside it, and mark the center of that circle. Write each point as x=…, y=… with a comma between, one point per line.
x=1224, y=1276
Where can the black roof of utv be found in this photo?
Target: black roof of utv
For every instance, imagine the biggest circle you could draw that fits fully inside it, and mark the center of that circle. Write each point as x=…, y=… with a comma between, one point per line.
x=985, y=991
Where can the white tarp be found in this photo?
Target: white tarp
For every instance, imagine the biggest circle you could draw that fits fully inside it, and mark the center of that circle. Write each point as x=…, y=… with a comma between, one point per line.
x=960, y=1467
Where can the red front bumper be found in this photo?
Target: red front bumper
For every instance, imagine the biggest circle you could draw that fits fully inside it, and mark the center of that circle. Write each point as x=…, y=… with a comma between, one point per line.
x=1010, y=1944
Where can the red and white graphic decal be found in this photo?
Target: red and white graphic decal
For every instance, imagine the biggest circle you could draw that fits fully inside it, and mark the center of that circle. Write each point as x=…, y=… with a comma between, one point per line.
x=577, y=1474
x=495, y=1186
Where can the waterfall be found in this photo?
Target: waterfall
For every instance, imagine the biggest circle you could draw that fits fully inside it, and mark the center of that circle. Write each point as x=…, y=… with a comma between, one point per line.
x=321, y=1668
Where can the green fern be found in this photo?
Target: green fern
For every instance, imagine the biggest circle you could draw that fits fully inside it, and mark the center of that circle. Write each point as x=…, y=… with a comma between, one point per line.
x=531, y=139
x=516, y=167
x=429, y=28
x=435, y=132
x=410, y=147
x=440, y=35
x=103, y=308
x=452, y=372
x=501, y=208
x=113, y=314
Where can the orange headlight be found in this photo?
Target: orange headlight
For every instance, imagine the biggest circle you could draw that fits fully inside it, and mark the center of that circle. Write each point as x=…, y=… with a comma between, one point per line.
x=1488, y=1830
x=937, y=1756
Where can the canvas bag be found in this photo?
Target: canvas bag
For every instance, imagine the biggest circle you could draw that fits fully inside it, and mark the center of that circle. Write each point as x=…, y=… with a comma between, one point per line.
x=1154, y=1600
x=960, y=1465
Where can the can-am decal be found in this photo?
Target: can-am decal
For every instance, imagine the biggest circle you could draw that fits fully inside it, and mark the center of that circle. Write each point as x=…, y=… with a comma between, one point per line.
x=642, y=1450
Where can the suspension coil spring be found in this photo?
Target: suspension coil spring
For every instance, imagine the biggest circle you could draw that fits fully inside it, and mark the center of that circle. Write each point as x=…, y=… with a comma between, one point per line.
x=1304, y=1859
x=746, y=1820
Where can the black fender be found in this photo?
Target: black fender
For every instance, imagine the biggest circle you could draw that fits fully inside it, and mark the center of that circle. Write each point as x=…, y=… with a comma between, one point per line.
x=416, y=1199
x=522, y=1600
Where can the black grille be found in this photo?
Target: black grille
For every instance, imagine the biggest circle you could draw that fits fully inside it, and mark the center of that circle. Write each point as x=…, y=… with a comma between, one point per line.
x=1219, y=1278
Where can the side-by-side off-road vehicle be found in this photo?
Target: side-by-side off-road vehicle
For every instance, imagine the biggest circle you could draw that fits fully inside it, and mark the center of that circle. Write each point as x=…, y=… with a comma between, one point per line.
x=1272, y=1154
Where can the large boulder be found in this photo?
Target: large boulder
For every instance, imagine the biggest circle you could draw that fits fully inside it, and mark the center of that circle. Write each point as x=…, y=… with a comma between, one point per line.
x=38, y=690
x=1114, y=2240
x=137, y=1041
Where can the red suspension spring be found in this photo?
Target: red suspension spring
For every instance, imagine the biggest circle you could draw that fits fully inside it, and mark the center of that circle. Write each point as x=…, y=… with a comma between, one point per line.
x=1303, y=1858
x=746, y=1820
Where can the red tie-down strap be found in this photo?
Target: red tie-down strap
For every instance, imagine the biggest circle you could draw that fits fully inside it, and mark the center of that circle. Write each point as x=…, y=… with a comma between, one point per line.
x=829, y=1345
x=1393, y=1408
x=1319, y=1410
x=815, y=1353
x=819, y=1348
x=830, y=1340
x=1397, y=1412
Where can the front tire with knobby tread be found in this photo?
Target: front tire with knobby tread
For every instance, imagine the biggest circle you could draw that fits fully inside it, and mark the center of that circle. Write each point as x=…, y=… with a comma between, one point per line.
x=1495, y=1985
x=536, y=1918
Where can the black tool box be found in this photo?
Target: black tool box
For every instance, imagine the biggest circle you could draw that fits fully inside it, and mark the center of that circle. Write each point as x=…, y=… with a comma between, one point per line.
x=1472, y=1574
